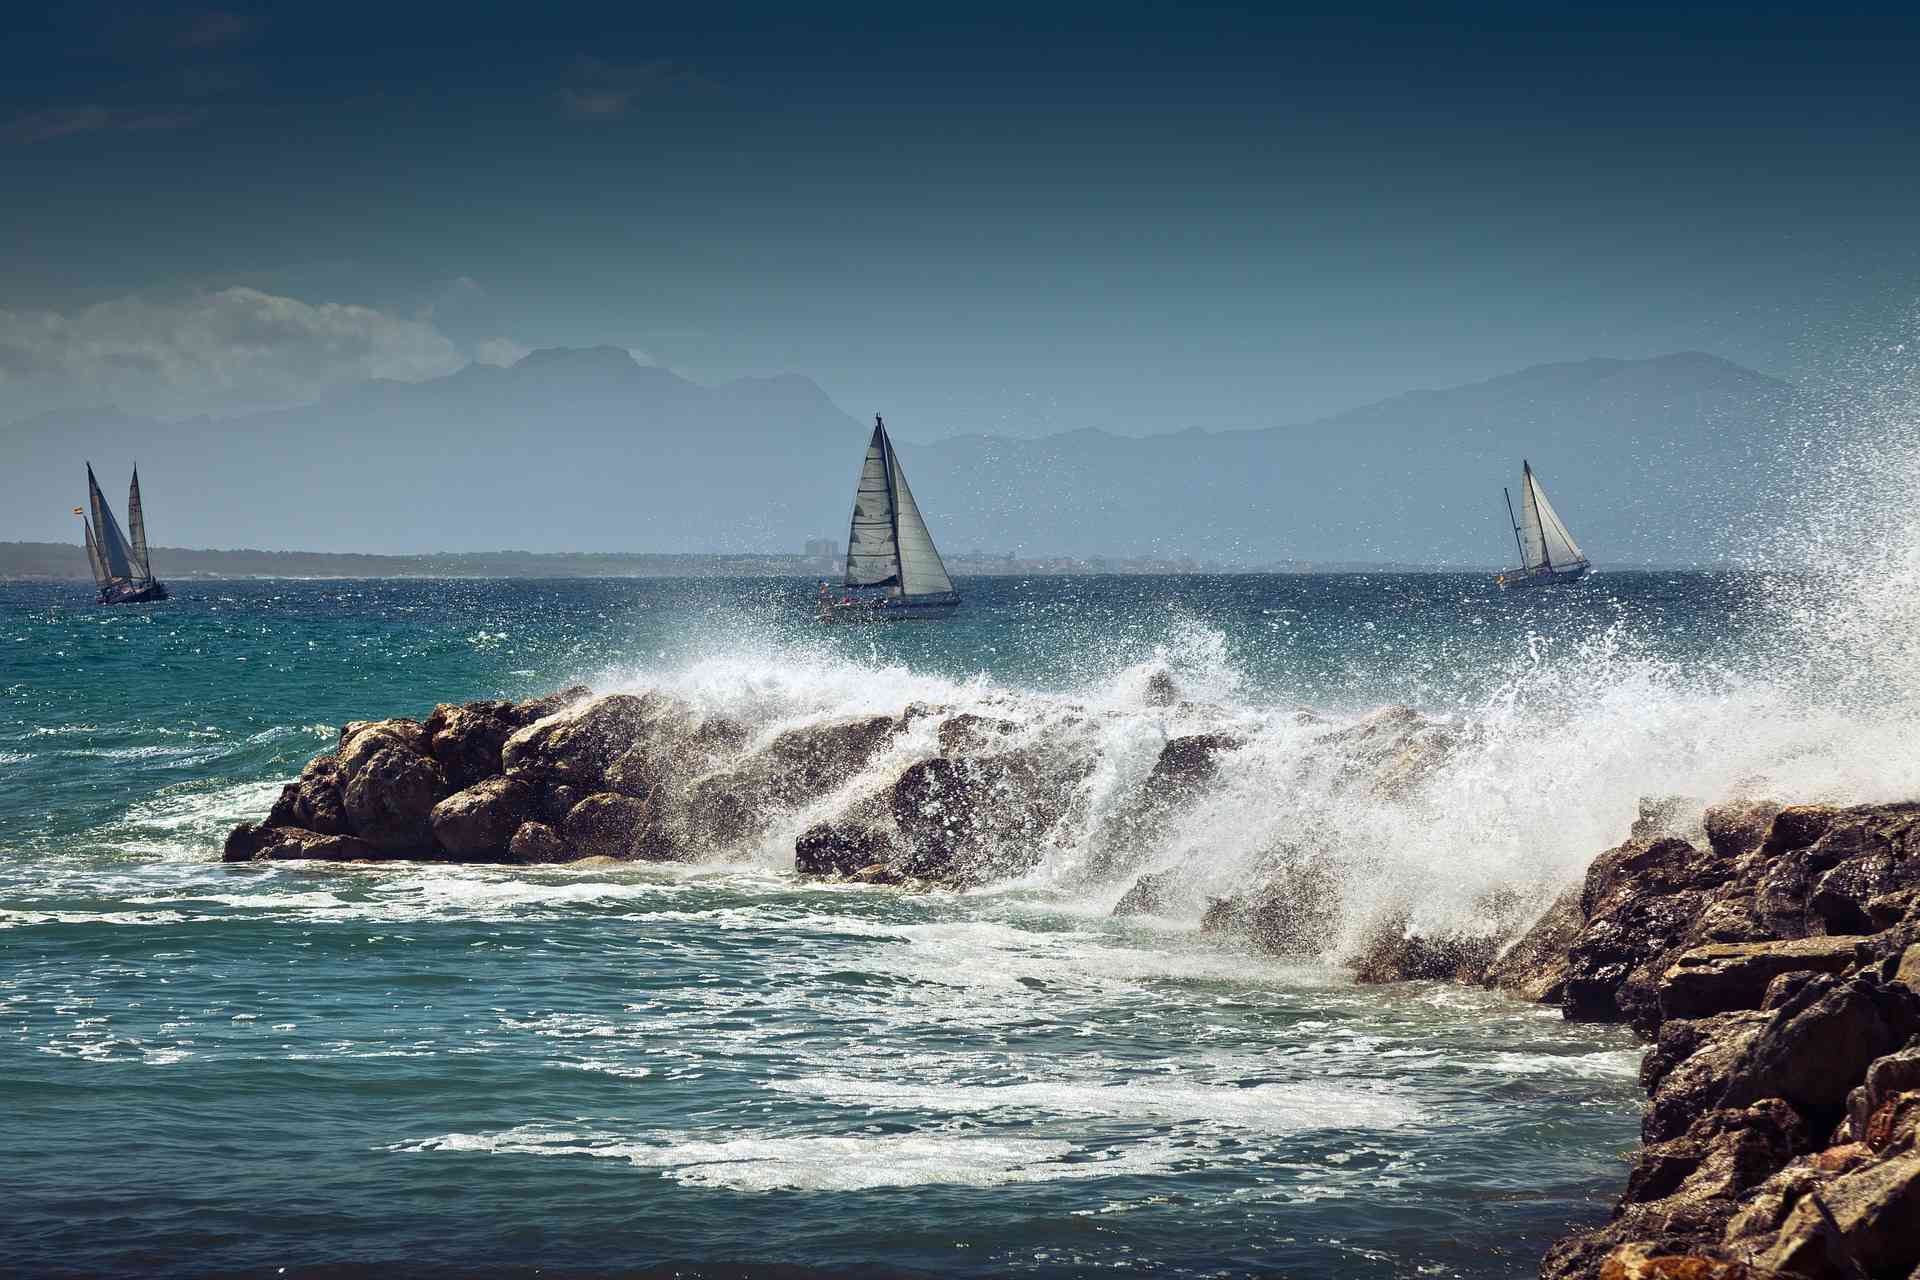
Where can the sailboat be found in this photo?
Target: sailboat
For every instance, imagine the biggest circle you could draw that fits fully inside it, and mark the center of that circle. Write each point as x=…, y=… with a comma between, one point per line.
x=1548, y=553
x=121, y=569
x=894, y=572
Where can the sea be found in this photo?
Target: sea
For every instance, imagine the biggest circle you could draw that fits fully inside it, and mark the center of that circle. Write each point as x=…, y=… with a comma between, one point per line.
x=719, y=1069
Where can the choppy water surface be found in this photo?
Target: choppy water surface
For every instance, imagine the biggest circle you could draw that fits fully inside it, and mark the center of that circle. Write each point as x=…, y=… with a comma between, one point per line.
x=212, y=1068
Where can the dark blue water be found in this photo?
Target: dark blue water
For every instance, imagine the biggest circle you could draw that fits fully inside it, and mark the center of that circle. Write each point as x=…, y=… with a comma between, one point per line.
x=210, y=1068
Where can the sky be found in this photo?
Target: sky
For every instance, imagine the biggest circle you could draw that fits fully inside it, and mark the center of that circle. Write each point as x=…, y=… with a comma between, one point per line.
x=1014, y=218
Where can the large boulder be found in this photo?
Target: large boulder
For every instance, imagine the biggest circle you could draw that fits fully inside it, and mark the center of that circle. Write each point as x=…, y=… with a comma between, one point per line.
x=467, y=740
x=480, y=821
x=1819, y=1044
x=1641, y=903
x=318, y=804
x=536, y=842
x=580, y=746
x=361, y=740
x=391, y=797
x=972, y=819
x=725, y=809
x=609, y=825
x=1724, y=976
x=1295, y=912
x=1863, y=1223
x=842, y=848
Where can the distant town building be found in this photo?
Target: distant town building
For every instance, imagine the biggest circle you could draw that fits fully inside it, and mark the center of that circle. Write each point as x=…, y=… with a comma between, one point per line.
x=824, y=549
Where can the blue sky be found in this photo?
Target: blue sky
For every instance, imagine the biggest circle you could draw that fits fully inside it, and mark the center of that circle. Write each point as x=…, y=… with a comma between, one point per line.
x=1016, y=218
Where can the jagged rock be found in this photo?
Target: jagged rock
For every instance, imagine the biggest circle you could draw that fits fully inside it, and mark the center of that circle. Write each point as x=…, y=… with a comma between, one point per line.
x=607, y=824
x=726, y=808
x=1162, y=690
x=972, y=819
x=467, y=740
x=1294, y=913
x=536, y=709
x=1675, y=1227
x=292, y=844
x=1388, y=752
x=1895, y=1073
x=246, y=840
x=1685, y=1073
x=317, y=802
x=1535, y=966
x=1148, y=896
x=841, y=848
x=555, y=800
x=1640, y=903
x=390, y=800
x=1738, y=827
x=970, y=734
x=1724, y=976
x=1722, y=1154
x=1894, y=1123
x=1860, y=1223
x=1651, y=1262
x=361, y=740
x=536, y=842
x=1392, y=954
x=1819, y=1044
x=480, y=821
x=1797, y=826
x=580, y=747
x=1184, y=768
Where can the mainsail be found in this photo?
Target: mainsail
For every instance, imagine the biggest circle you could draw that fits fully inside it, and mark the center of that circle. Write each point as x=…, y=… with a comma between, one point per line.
x=93, y=557
x=137, y=525
x=114, y=555
x=888, y=543
x=1544, y=540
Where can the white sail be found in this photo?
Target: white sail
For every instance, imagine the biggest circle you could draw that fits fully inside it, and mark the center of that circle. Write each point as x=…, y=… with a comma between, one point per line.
x=873, y=552
x=93, y=557
x=112, y=544
x=137, y=526
x=922, y=572
x=887, y=542
x=1544, y=538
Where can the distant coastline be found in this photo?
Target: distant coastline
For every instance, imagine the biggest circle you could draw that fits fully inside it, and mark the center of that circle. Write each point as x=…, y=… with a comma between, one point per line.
x=64, y=562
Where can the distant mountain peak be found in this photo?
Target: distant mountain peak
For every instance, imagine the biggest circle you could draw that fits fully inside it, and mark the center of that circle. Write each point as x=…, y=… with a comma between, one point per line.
x=601, y=358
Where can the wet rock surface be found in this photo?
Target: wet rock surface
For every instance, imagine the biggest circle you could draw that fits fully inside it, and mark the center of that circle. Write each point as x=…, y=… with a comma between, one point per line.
x=1784, y=1078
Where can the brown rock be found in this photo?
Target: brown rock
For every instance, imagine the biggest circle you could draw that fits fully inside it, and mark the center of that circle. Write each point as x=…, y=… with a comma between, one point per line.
x=1861, y=1223
x=1797, y=826
x=480, y=822
x=555, y=800
x=578, y=748
x=1819, y=1044
x=1148, y=896
x=390, y=800
x=1724, y=976
x=536, y=842
x=1535, y=966
x=1649, y=1262
x=841, y=848
x=970, y=734
x=1739, y=827
x=361, y=740
x=292, y=844
x=1894, y=1123
x=608, y=824
x=246, y=840
x=467, y=740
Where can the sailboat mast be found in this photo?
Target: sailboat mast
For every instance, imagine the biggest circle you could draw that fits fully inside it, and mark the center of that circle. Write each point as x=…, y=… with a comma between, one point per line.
x=1508, y=495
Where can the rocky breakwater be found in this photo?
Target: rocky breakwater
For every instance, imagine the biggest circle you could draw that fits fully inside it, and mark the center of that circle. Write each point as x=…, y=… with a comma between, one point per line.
x=1775, y=966
x=626, y=776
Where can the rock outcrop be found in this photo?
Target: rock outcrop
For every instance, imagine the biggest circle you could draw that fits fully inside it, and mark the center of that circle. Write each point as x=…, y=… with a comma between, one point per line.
x=1770, y=970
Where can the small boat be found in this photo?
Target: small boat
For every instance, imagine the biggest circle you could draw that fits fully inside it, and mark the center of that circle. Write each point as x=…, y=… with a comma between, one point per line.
x=121, y=569
x=894, y=572
x=1548, y=553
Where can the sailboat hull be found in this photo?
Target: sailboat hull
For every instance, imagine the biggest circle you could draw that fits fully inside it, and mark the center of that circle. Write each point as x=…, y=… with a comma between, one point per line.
x=1518, y=579
x=127, y=593
x=865, y=611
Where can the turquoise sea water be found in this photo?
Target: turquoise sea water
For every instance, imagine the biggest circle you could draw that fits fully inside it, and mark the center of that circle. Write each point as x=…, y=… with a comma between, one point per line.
x=717, y=1068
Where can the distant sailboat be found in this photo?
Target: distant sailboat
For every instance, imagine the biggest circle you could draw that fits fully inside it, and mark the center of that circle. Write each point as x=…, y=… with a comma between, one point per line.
x=1548, y=553
x=888, y=550
x=121, y=570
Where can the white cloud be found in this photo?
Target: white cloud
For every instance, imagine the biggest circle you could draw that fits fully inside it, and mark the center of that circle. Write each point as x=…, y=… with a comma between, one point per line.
x=500, y=351
x=237, y=348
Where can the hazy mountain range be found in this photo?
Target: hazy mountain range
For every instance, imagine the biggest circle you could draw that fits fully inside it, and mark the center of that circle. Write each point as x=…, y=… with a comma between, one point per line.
x=587, y=450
